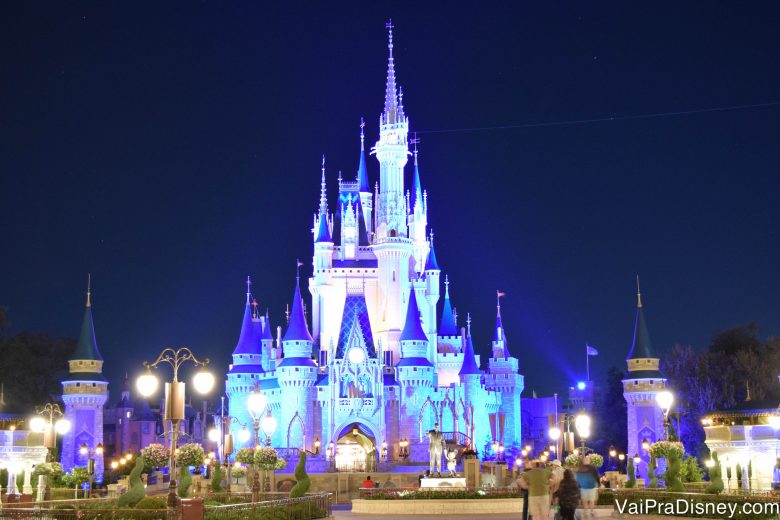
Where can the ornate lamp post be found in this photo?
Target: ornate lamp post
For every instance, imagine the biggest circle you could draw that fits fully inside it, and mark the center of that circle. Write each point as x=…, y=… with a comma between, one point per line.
x=268, y=425
x=665, y=400
x=222, y=435
x=147, y=384
x=44, y=423
x=85, y=450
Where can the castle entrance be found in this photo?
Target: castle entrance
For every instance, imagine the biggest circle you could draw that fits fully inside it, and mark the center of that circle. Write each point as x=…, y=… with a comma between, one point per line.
x=355, y=449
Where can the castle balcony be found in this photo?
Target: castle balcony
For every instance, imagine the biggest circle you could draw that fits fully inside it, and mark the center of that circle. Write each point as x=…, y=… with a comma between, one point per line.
x=360, y=406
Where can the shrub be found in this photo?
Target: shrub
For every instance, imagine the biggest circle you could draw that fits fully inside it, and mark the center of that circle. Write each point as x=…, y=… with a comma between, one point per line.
x=691, y=471
x=152, y=503
x=631, y=482
x=246, y=456
x=185, y=480
x=190, y=454
x=266, y=458
x=651, y=467
x=716, y=482
x=137, y=490
x=216, y=478
x=304, y=482
x=672, y=475
x=76, y=477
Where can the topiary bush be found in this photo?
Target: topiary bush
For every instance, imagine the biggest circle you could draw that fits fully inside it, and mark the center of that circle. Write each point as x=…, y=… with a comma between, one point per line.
x=651, y=473
x=672, y=475
x=716, y=481
x=137, y=489
x=185, y=480
x=304, y=482
x=631, y=482
x=216, y=478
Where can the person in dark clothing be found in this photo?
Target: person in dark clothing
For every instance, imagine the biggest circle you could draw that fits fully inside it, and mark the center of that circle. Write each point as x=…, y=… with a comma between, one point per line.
x=568, y=495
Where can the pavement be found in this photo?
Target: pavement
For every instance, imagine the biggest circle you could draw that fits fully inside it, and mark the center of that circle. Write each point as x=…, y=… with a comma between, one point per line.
x=343, y=514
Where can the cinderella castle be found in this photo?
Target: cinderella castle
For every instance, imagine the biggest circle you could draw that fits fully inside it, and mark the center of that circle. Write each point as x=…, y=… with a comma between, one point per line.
x=382, y=362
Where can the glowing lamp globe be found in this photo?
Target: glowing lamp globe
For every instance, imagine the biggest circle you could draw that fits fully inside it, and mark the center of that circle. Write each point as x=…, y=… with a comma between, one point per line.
x=83, y=450
x=709, y=463
x=637, y=459
x=37, y=424
x=203, y=381
x=243, y=435
x=581, y=385
x=622, y=457
x=256, y=402
x=269, y=424
x=62, y=426
x=665, y=399
x=214, y=435
x=147, y=384
x=114, y=464
x=356, y=355
x=555, y=433
x=99, y=449
x=774, y=421
x=582, y=423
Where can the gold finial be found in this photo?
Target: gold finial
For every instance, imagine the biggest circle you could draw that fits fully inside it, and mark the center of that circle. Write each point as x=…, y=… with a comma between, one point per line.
x=89, y=285
x=638, y=294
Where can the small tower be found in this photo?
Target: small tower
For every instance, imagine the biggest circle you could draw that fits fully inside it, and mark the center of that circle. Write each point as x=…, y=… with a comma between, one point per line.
x=418, y=218
x=321, y=283
x=364, y=188
x=642, y=383
x=84, y=393
x=247, y=367
x=470, y=381
x=297, y=374
x=123, y=413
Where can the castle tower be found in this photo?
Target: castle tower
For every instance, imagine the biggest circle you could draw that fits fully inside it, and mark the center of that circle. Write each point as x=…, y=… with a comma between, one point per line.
x=84, y=393
x=297, y=374
x=321, y=283
x=503, y=377
x=123, y=412
x=247, y=368
x=418, y=218
x=470, y=376
x=392, y=246
x=366, y=197
x=642, y=383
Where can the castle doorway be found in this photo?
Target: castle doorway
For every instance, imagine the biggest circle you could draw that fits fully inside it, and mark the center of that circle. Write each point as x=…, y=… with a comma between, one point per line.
x=355, y=449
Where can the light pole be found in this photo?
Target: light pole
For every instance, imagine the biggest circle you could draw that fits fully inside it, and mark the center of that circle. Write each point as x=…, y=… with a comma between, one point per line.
x=269, y=427
x=147, y=384
x=85, y=450
x=222, y=435
x=665, y=400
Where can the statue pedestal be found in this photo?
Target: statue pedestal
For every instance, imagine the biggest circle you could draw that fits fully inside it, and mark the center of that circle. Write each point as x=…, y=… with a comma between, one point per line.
x=471, y=469
x=443, y=483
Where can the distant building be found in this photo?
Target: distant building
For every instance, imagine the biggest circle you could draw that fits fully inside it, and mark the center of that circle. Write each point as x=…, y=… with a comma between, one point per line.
x=642, y=383
x=742, y=436
x=538, y=416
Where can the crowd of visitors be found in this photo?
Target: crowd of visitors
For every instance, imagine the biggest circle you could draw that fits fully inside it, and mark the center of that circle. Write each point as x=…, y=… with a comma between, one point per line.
x=555, y=490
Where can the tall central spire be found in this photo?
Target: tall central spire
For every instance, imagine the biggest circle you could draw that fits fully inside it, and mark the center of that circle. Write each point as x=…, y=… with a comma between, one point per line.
x=391, y=97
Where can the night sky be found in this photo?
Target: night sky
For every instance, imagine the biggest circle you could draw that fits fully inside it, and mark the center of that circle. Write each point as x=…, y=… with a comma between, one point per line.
x=173, y=148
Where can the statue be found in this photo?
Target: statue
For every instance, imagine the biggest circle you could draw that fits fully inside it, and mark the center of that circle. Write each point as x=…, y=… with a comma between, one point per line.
x=435, y=447
x=452, y=461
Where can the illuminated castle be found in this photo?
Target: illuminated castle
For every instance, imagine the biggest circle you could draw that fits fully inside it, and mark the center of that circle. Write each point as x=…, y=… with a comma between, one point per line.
x=379, y=365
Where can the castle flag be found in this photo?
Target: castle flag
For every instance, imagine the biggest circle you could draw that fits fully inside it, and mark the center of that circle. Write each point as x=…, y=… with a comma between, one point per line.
x=591, y=351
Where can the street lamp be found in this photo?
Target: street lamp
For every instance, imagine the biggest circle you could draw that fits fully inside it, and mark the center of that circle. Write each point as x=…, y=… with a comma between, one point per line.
x=85, y=450
x=269, y=426
x=44, y=423
x=582, y=424
x=256, y=403
x=174, y=397
x=665, y=400
x=645, y=444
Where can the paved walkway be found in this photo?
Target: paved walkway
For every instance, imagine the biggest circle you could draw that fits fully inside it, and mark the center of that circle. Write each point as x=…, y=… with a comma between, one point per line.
x=349, y=515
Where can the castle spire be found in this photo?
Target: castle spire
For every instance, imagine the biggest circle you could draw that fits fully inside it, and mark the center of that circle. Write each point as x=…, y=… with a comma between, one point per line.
x=417, y=191
x=413, y=330
x=323, y=229
x=641, y=348
x=469, y=366
x=248, y=289
x=447, y=325
x=249, y=337
x=87, y=349
x=297, y=330
x=362, y=173
x=638, y=294
x=392, y=111
x=499, y=334
x=431, y=263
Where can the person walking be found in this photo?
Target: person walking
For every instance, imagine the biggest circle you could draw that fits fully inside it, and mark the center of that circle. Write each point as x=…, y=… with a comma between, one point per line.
x=588, y=478
x=568, y=495
x=537, y=482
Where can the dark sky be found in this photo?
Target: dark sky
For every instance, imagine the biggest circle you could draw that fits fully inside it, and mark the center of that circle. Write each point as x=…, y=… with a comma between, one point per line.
x=173, y=148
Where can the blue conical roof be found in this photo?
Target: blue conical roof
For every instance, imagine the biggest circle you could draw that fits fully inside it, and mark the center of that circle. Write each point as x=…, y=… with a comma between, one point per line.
x=323, y=230
x=413, y=330
x=447, y=325
x=417, y=192
x=87, y=348
x=362, y=173
x=469, y=366
x=297, y=330
x=249, y=339
x=362, y=230
x=431, y=263
x=641, y=348
x=266, y=332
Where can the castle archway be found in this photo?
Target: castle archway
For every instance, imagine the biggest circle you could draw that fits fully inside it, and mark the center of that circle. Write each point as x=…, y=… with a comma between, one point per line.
x=355, y=448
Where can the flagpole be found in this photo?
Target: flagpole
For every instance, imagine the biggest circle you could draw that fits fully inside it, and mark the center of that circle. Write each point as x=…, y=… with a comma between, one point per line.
x=587, y=364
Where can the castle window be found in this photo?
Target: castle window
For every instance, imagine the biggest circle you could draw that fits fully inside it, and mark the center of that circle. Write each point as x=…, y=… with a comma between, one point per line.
x=78, y=384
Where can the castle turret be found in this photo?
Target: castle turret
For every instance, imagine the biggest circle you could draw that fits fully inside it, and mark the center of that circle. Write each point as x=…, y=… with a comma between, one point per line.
x=364, y=188
x=267, y=342
x=642, y=383
x=84, y=393
x=418, y=219
x=297, y=374
x=321, y=283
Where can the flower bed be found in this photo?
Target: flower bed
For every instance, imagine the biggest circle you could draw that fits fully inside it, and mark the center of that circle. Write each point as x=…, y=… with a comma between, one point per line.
x=417, y=494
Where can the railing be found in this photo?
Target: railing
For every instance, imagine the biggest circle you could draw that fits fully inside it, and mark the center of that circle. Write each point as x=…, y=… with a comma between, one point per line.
x=92, y=513
x=308, y=507
x=459, y=438
x=287, y=453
